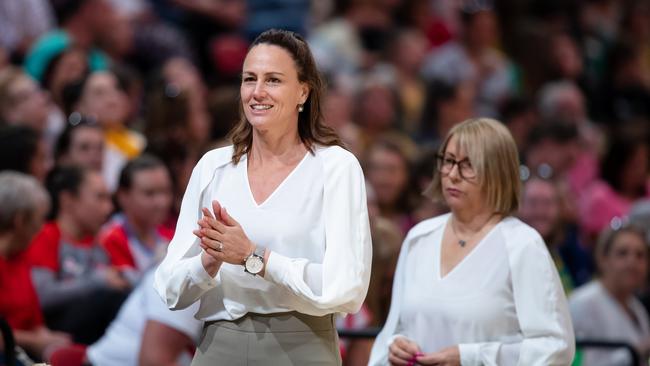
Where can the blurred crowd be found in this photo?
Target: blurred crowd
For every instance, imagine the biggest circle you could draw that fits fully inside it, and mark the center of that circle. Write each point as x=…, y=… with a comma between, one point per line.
x=106, y=106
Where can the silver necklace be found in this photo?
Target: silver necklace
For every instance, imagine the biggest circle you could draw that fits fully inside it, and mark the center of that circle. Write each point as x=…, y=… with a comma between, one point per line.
x=462, y=242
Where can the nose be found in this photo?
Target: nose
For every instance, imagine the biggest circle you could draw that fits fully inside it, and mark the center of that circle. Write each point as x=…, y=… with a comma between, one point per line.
x=454, y=173
x=259, y=92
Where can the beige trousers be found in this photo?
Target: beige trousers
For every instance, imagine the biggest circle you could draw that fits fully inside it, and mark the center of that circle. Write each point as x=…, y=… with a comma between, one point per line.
x=271, y=339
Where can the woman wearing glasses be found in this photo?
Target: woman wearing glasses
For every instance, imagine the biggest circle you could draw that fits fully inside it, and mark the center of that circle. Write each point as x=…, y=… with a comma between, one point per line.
x=476, y=286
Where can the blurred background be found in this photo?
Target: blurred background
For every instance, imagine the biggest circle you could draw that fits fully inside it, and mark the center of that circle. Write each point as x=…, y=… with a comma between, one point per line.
x=109, y=104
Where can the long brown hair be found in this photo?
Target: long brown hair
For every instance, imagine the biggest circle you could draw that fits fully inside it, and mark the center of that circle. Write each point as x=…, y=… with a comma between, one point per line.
x=311, y=128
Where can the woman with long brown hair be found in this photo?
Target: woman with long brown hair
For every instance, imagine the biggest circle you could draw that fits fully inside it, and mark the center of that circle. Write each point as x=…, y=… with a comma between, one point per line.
x=293, y=246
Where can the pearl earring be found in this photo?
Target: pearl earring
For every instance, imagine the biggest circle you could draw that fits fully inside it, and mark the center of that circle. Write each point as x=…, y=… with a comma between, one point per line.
x=300, y=108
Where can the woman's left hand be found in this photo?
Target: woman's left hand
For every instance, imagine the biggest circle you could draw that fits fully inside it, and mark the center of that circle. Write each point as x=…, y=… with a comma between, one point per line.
x=446, y=357
x=225, y=237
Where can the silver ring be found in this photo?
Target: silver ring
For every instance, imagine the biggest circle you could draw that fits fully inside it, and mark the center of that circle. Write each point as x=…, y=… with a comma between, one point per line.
x=220, y=249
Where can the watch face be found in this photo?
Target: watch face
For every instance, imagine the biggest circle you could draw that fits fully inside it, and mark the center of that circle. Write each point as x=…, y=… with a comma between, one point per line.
x=254, y=264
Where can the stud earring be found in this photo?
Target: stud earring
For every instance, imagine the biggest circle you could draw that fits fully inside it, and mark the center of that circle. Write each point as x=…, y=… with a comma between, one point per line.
x=300, y=108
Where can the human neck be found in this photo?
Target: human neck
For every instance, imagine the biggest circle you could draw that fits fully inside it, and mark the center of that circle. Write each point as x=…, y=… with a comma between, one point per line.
x=467, y=223
x=620, y=295
x=69, y=227
x=282, y=145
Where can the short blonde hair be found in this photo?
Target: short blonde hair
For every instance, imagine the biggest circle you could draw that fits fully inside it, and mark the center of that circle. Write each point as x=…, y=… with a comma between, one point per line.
x=493, y=154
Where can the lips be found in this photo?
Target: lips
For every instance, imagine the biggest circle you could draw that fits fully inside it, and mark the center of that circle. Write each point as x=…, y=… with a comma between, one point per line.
x=453, y=192
x=261, y=107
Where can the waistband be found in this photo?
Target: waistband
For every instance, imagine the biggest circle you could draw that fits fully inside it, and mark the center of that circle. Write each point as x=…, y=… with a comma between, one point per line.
x=277, y=322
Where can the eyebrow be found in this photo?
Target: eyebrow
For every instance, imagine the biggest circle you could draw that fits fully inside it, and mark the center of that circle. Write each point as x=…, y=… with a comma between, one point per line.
x=266, y=74
x=454, y=156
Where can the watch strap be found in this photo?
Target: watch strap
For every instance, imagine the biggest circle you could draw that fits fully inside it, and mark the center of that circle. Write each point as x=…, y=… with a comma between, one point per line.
x=259, y=251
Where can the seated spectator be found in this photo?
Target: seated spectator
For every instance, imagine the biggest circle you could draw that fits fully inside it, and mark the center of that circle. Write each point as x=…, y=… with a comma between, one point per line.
x=146, y=332
x=134, y=235
x=564, y=103
x=474, y=57
x=388, y=168
x=551, y=151
x=446, y=105
x=78, y=291
x=518, y=113
x=377, y=109
x=82, y=23
x=22, y=101
x=540, y=208
x=606, y=309
x=100, y=96
x=21, y=22
x=24, y=151
x=176, y=107
x=624, y=173
x=337, y=113
x=23, y=209
x=81, y=143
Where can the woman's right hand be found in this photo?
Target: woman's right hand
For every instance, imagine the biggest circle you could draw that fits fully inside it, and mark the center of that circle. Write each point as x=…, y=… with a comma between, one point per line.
x=403, y=352
x=209, y=256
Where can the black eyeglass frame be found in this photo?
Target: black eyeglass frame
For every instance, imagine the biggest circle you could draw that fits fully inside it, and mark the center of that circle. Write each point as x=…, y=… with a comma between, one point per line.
x=441, y=160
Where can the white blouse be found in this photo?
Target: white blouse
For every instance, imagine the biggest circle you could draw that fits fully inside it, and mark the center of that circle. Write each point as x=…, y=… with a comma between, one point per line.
x=315, y=224
x=503, y=304
x=598, y=316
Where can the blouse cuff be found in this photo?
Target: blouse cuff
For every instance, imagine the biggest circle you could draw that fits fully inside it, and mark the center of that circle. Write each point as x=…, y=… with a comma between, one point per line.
x=276, y=267
x=469, y=354
x=199, y=275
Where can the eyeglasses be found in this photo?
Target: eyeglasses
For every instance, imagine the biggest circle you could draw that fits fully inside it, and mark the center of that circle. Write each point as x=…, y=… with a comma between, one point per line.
x=446, y=165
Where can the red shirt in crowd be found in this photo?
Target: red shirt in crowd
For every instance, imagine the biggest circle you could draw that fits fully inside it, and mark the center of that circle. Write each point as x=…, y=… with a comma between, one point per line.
x=19, y=303
x=125, y=250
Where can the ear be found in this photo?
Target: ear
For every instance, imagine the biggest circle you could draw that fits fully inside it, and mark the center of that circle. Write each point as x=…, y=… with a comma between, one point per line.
x=304, y=93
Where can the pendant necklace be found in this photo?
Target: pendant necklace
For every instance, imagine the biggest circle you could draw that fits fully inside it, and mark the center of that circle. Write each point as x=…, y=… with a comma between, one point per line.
x=462, y=242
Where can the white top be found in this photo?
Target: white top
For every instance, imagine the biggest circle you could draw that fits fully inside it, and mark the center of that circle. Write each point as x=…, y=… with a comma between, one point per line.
x=503, y=304
x=120, y=345
x=315, y=224
x=597, y=316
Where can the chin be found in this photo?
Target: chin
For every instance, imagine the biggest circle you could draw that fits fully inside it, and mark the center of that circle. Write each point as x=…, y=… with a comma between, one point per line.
x=257, y=121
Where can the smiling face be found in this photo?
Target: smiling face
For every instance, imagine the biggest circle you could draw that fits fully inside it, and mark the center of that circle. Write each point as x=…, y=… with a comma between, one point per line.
x=270, y=89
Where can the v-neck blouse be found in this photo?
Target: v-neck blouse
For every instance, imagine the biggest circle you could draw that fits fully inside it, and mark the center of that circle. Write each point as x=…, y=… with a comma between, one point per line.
x=315, y=223
x=502, y=304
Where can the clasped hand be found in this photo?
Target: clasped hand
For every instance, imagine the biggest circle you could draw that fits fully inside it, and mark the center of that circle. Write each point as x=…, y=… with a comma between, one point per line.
x=222, y=238
x=405, y=352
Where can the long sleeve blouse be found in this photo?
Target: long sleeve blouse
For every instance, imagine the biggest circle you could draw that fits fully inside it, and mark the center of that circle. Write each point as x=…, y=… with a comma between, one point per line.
x=503, y=304
x=315, y=224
